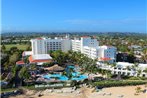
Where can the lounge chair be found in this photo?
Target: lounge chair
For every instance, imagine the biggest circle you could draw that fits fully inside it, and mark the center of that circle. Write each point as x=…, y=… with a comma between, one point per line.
x=120, y=96
x=109, y=94
x=104, y=94
x=40, y=95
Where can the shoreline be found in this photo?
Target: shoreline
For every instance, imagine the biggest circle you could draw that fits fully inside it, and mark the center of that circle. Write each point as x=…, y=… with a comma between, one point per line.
x=109, y=92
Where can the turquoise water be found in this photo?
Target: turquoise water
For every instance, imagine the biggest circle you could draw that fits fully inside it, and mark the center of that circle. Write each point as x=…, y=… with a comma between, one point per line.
x=75, y=75
x=64, y=78
x=46, y=77
x=80, y=77
x=55, y=75
x=60, y=77
x=71, y=66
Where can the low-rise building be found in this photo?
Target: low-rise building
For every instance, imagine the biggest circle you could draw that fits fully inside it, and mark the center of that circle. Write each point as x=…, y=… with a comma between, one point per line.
x=27, y=53
x=39, y=59
x=20, y=63
x=125, y=68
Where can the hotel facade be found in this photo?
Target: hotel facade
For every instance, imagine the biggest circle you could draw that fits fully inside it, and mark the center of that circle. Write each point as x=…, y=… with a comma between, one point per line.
x=44, y=45
x=91, y=48
x=86, y=45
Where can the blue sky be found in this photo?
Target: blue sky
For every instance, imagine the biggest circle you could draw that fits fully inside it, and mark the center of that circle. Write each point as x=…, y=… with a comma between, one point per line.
x=74, y=15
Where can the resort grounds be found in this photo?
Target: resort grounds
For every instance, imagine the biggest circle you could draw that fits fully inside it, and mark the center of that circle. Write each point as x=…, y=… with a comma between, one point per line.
x=85, y=92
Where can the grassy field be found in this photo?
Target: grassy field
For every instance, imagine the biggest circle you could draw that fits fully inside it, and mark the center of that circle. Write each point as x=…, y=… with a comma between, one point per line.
x=20, y=47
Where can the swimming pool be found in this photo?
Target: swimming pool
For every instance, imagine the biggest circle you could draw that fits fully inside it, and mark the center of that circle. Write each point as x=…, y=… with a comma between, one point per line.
x=54, y=75
x=80, y=77
x=58, y=76
x=75, y=75
x=64, y=78
x=46, y=77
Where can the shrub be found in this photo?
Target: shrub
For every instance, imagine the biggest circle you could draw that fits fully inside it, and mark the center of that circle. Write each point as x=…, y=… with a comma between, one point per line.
x=117, y=83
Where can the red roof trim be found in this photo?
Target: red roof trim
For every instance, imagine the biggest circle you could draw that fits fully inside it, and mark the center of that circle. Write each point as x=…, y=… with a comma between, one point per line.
x=84, y=36
x=39, y=38
x=105, y=59
x=20, y=62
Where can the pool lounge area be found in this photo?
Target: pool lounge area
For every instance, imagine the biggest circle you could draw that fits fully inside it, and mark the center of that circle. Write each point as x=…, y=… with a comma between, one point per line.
x=74, y=75
x=64, y=78
x=55, y=76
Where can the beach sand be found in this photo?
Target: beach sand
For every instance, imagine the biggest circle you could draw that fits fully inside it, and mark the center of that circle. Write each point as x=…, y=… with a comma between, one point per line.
x=126, y=91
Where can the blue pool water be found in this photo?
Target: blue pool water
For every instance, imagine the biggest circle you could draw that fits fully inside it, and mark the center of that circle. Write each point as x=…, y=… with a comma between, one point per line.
x=55, y=75
x=75, y=75
x=60, y=77
x=80, y=77
x=64, y=78
x=71, y=67
x=46, y=77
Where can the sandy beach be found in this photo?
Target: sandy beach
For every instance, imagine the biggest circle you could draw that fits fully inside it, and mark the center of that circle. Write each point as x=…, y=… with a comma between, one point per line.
x=112, y=92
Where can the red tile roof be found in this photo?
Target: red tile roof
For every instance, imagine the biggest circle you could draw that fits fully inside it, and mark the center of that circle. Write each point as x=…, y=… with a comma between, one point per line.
x=39, y=38
x=84, y=36
x=20, y=62
x=94, y=37
x=105, y=59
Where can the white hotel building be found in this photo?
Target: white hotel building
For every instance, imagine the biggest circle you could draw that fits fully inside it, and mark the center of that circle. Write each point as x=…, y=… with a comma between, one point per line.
x=85, y=45
x=122, y=69
x=44, y=45
x=91, y=48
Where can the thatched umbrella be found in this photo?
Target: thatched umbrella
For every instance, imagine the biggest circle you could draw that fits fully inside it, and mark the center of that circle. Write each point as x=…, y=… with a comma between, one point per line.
x=54, y=68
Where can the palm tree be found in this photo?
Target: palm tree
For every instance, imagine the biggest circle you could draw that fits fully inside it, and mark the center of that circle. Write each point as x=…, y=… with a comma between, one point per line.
x=113, y=65
x=60, y=57
x=24, y=74
x=128, y=68
x=3, y=48
x=134, y=67
x=14, y=70
x=32, y=66
x=145, y=51
x=108, y=73
x=138, y=89
x=139, y=72
x=145, y=70
x=26, y=59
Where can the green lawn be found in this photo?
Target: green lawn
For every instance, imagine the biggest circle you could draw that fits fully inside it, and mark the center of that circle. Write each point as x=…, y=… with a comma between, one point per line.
x=20, y=47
